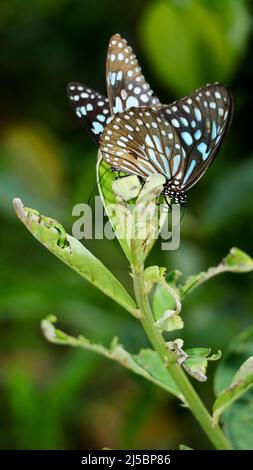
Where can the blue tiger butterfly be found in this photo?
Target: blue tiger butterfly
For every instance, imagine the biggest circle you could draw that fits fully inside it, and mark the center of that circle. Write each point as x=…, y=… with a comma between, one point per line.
x=139, y=135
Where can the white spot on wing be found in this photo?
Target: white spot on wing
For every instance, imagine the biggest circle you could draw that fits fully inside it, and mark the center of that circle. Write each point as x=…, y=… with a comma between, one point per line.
x=144, y=97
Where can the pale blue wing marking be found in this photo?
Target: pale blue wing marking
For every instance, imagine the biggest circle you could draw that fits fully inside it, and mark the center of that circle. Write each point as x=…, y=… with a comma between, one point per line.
x=158, y=143
x=214, y=130
x=118, y=107
x=202, y=148
x=149, y=141
x=147, y=164
x=176, y=162
x=198, y=114
x=97, y=127
x=189, y=171
x=166, y=166
x=186, y=136
x=154, y=159
x=197, y=134
x=131, y=102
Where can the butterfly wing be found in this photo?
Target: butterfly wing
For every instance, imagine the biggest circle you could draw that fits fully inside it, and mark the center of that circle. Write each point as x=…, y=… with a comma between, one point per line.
x=201, y=120
x=126, y=86
x=91, y=108
x=141, y=141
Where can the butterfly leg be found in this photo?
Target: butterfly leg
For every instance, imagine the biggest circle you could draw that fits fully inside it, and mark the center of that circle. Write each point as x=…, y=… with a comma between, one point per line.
x=164, y=206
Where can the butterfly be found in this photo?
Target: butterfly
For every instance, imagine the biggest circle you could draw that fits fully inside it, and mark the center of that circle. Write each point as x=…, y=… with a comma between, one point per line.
x=179, y=140
x=126, y=87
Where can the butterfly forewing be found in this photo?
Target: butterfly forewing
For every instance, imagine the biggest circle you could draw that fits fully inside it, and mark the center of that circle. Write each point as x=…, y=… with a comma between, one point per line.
x=126, y=85
x=141, y=141
x=91, y=108
x=201, y=121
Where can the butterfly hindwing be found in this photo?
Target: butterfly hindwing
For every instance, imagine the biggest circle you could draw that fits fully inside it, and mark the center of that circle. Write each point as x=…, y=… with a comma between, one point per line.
x=126, y=84
x=126, y=88
x=91, y=108
x=141, y=141
x=201, y=120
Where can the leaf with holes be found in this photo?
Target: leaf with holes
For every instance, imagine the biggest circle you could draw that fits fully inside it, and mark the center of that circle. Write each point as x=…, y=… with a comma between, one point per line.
x=147, y=363
x=235, y=262
x=52, y=235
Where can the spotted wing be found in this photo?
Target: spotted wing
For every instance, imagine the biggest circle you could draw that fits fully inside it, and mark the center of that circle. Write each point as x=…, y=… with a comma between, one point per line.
x=201, y=120
x=90, y=107
x=126, y=85
x=141, y=141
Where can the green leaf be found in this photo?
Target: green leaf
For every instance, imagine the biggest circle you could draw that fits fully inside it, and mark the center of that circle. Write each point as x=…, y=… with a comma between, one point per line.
x=183, y=447
x=236, y=262
x=192, y=36
x=150, y=361
x=105, y=178
x=146, y=364
x=119, y=218
x=203, y=352
x=162, y=301
x=147, y=219
x=53, y=236
x=241, y=382
x=238, y=418
x=197, y=362
x=153, y=275
x=239, y=350
x=167, y=318
x=169, y=321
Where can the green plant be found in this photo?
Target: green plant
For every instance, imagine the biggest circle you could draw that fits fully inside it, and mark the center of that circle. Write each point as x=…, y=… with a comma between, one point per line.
x=157, y=304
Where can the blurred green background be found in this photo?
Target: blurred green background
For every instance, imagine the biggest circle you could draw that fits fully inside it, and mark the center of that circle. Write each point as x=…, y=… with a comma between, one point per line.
x=53, y=397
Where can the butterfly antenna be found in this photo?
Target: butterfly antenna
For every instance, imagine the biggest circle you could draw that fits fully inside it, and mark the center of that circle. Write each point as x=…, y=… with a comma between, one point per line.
x=95, y=188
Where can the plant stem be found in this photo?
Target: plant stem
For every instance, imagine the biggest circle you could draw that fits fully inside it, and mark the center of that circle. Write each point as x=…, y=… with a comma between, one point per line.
x=193, y=401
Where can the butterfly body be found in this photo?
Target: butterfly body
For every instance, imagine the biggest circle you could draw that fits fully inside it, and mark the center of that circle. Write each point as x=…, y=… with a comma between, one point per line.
x=138, y=135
